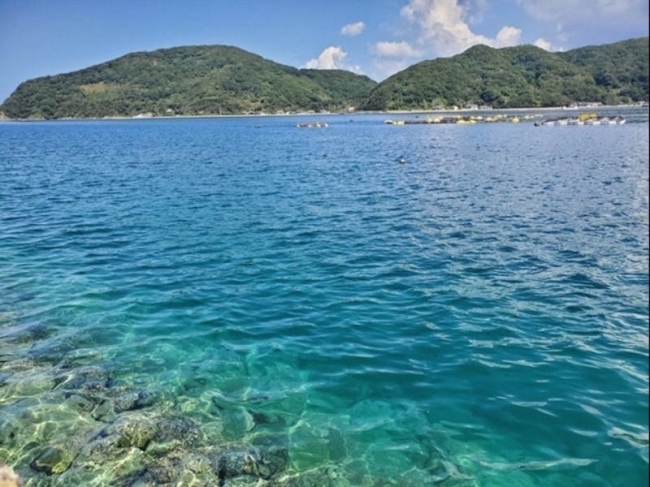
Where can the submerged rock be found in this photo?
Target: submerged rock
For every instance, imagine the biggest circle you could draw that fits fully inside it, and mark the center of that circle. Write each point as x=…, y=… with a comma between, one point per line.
x=181, y=429
x=132, y=400
x=138, y=444
x=256, y=462
x=177, y=468
x=132, y=431
x=52, y=461
x=89, y=378
x=80, y=402
x=211, y=466
x=104, y=412
x=27, y=333
x=236, y=423
x=322, y=477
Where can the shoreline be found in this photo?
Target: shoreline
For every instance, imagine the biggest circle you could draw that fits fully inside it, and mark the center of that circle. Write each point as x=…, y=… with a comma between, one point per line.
x=328, y=114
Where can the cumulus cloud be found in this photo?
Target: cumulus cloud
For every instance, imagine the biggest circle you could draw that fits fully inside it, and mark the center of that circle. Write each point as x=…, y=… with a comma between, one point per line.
x=443, y=27
x=332, y=57
x=544, y=44
x=507, y=36
x=353, y=29
x=448, y=27
x=395, y=49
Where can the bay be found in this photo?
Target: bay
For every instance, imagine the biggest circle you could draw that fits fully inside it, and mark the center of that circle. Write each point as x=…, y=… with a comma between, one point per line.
x=475, y=316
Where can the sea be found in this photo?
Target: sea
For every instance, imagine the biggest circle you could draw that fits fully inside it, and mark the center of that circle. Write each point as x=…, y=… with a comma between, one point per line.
x=238, y=301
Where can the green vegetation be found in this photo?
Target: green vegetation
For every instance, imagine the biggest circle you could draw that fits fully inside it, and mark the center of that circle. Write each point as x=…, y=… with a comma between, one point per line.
x=620, y=68
x=197, y=80
x=209, y=80
x=520, y=77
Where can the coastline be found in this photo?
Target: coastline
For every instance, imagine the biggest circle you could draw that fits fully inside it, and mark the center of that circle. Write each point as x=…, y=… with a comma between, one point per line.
x=329, y=114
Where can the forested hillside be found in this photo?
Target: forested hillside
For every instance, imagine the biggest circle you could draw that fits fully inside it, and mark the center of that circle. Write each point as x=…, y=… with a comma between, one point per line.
x=198, y=80
x=519, y=77
x=212, y=80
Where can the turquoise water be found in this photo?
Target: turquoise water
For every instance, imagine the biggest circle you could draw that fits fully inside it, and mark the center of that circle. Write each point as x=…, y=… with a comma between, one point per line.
x=477, y=316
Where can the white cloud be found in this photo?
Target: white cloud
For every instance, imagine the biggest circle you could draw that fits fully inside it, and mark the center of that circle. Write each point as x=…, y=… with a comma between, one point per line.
x=443, y=27
x=476, y=10
x=544, y=44
x=448, y=27
x=507, y=36
x=332, y=57
x=395, y=49
x=353, y=29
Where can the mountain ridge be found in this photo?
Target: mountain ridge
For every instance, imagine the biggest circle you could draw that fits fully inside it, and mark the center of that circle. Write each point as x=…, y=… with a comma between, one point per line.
x=186, y=80
x=219, y=79
x=522, y=76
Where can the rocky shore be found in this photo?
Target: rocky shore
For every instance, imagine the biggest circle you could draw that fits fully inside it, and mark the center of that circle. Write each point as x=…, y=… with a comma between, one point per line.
x=69, y=423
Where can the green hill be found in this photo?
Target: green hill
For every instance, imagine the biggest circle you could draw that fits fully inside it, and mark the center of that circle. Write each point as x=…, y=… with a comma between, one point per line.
x=208, y=80
x=519, y=77
x=621, y=68
x=186, y=81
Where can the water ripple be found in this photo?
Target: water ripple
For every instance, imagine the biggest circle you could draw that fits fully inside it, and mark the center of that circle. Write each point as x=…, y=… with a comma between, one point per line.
x=477, y=316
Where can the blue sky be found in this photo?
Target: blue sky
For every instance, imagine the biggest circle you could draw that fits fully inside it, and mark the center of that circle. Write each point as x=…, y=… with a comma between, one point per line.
x=372, y=37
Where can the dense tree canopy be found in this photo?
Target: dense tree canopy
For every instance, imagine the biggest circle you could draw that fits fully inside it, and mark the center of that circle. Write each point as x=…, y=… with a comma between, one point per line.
x=186, y=81
x=205, y=80
x=520, y=77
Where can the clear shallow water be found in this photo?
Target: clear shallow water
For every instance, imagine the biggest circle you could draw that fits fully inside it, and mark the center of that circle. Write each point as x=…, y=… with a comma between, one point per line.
x=477, y=316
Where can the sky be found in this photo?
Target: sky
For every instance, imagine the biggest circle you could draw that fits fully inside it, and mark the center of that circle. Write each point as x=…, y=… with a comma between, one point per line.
x=376, y=38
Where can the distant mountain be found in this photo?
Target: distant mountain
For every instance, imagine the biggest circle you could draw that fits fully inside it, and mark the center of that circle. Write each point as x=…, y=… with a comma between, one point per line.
x=192, y=80
x=210, y=80
x=520, y=77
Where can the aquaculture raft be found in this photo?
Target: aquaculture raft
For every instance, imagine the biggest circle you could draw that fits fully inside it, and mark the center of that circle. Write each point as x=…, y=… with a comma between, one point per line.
x=584, y=119
x=461, y=120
